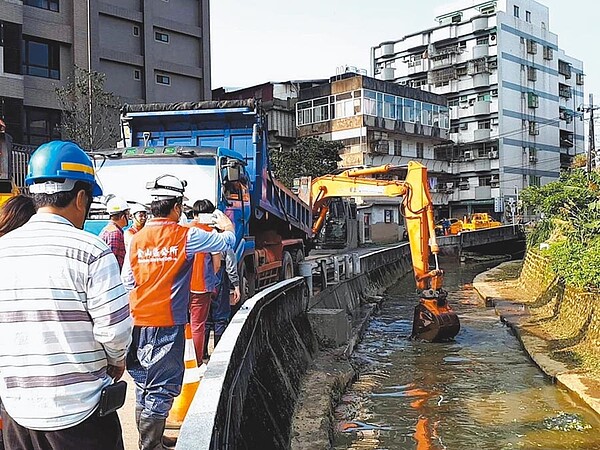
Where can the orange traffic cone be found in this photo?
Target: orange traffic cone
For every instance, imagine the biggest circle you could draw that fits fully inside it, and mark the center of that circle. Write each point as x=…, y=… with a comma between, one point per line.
x=191, y=380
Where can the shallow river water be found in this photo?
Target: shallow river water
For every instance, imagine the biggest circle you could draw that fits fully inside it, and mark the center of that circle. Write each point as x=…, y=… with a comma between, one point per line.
x=478, y=392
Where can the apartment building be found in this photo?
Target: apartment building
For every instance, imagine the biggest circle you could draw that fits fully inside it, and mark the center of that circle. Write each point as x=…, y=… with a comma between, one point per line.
x=379, y=122
x=150, y=51
x=513, y=96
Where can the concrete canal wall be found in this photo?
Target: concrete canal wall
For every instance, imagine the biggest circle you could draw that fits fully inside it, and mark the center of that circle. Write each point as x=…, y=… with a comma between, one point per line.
x=252, y=385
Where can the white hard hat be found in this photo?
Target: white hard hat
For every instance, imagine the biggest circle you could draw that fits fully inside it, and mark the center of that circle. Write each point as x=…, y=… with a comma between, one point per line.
x=116, y=205
x=167, y=187
x=137, y=207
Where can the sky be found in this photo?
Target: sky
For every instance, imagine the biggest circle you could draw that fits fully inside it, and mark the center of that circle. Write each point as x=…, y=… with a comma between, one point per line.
x=256, y=41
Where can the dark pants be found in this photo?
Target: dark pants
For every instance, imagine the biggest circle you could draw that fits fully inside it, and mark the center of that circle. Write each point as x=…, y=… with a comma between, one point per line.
x=155, y=362
x=94, y=433
x=199, y=310
x=218, y=316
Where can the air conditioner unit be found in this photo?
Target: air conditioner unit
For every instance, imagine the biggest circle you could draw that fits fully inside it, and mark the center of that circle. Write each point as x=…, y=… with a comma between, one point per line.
x=469, y=156
x=449, y=185
x=464, y=126
x=464, y=186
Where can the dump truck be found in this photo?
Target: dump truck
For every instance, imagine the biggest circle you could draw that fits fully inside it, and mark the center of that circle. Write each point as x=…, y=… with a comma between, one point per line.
x=221, y=150
x=8, y=188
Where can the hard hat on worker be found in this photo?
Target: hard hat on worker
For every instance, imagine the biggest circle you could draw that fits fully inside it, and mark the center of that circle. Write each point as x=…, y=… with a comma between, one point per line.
x=117, y=205
x=167, y=187
x=137, y=208
x=57, y=165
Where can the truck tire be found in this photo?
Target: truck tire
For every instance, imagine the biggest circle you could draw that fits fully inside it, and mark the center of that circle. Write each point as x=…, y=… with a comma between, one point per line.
x=287, y=266
x=298, y=257
x=247, y=283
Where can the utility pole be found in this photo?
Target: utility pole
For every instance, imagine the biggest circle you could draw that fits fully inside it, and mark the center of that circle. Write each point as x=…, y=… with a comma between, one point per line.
x=591, y=151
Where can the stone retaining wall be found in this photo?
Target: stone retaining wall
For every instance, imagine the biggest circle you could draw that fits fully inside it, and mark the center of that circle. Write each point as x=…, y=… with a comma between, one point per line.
x=570, y=317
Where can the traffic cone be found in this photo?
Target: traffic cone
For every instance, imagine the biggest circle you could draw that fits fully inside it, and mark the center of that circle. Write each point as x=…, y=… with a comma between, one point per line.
x=191, y=380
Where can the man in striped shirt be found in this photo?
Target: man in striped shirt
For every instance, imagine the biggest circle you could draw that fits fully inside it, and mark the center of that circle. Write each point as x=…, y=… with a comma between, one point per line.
x=64, y=314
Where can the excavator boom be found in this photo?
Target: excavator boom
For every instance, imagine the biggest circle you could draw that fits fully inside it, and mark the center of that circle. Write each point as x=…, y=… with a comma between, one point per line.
x=434, y=320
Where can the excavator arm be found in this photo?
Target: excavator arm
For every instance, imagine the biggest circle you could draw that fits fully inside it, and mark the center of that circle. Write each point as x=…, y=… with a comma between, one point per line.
x=434, y=320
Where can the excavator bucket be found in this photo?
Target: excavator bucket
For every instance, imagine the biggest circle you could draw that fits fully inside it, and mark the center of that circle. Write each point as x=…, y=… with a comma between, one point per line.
x=434, y=321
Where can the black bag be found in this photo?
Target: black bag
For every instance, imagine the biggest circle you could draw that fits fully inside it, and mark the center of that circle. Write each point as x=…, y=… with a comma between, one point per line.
x=112, y=398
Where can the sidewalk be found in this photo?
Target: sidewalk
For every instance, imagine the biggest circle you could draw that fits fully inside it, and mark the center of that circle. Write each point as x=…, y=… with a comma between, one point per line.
x=500, y=288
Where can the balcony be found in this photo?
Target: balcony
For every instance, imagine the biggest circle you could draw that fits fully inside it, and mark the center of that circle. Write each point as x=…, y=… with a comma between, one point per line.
x=479, y=24
x=481, y=108
x=481, y=134
x=481, y=80
x=481, y=51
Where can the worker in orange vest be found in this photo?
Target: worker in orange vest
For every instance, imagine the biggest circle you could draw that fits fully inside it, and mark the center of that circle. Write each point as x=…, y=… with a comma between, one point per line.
x=157, y=272
x=204, y=278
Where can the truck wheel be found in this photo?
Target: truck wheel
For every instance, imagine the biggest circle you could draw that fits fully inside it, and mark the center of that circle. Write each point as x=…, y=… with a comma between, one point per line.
x=287, y=267
x=247, y=283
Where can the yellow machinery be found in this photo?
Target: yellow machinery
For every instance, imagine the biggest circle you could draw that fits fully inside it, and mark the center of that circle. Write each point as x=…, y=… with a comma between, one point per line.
x=478, y=221
x=434, y=320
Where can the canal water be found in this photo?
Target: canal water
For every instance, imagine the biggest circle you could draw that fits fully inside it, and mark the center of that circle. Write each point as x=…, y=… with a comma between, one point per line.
x=478, y=392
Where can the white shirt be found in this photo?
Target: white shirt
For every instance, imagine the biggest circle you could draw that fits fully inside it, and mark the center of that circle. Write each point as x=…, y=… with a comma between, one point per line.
x=64, y=316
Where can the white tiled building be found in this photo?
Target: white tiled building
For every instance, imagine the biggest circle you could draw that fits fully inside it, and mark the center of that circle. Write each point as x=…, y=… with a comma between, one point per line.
x=513, y=95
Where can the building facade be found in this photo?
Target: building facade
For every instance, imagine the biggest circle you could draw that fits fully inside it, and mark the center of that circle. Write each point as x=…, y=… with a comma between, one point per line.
x=513, y=96
x=379, y=123
x=150, y=51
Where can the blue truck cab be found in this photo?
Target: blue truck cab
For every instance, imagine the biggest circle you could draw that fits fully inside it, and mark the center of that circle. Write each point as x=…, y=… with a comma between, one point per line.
x=221, y=150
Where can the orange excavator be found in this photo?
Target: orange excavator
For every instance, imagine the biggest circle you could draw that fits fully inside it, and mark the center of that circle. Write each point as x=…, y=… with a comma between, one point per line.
x=434, y=320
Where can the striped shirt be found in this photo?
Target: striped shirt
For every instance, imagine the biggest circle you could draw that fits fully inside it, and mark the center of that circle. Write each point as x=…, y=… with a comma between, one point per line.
x=64, y=316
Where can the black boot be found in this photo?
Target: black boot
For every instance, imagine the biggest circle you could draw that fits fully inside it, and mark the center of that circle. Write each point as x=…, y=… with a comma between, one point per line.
x=138, y=414
x=151, y=433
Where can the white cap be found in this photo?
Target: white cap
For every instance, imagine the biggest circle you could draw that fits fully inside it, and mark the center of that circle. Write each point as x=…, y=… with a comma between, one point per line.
x=137, y=207
x=116, y=205
x=166, y=187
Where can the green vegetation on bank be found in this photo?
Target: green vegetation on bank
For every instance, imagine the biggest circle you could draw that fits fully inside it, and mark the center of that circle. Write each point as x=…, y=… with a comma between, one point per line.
x=570, y=225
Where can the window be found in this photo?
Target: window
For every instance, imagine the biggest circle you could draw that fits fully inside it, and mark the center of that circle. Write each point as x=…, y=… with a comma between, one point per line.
x=420, y=150
x=397, y=147
x=388, y=215
x=534, y=180
x=534, y=130
x=548, y=53
x=10, y=41
x=41, y=125
x=485, y=180
x=564, y=68
x=516, y=10
x=564, y=90
x=531, y=73
x=533, y=155
x=161, y=37
x=484, y=125
x=528, y=16
x=136, y=30
x=578, y=78
x=483, y=40
x=51, y=5
x=137, y=75
x=163, y=79
x=41, y=58
x=532, y=100
x=531, y=47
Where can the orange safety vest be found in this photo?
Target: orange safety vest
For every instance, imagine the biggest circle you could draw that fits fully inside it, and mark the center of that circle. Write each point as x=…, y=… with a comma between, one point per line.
x=204, y=278
x=129, y=232
x=162, y=274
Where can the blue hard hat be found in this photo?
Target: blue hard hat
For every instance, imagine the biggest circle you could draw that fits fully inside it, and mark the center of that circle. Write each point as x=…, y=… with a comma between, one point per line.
x=60, y=161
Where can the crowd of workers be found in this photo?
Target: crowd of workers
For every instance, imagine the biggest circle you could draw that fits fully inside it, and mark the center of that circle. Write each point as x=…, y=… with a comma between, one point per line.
x=76, y=309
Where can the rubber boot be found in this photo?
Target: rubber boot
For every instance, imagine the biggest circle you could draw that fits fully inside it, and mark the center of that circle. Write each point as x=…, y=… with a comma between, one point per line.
x=151, y=433
x=138, y=415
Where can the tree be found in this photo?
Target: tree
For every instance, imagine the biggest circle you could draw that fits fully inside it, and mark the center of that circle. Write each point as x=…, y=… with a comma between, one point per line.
x=312, y=156
x=90, y=115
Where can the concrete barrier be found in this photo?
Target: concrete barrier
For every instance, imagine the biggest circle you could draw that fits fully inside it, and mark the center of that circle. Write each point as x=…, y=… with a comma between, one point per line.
x=247, y=396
